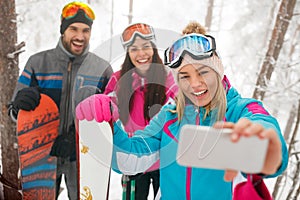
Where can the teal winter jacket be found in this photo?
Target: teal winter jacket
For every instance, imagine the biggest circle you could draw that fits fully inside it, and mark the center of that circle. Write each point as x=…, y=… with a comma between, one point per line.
x=159, y=140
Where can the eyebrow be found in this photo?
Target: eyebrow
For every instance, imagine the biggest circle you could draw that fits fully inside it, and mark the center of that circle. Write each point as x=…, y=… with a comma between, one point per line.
x=198, y=69
x=146, y=43
x=75, y=27
x=203, y=66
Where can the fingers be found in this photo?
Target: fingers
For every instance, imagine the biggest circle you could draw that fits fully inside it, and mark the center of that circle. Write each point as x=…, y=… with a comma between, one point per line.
x=243, y=127
x=221, y=124
x=96, y=107
x=89, y=109
x=246, y=128
x=230, y=175
x=102, y=110
x=79, y=114
x=99, y=108
x=85, y=110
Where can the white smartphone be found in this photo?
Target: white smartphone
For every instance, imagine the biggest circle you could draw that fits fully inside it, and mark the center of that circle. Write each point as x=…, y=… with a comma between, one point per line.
x=206, y=147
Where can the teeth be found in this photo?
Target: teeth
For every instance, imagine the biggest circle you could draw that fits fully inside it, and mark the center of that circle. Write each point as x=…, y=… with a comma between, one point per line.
x=143, y=61
x=199, y=93
x=77, y=43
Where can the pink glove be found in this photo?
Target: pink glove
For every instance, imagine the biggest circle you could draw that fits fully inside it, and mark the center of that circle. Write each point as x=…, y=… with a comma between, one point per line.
x=97, y=107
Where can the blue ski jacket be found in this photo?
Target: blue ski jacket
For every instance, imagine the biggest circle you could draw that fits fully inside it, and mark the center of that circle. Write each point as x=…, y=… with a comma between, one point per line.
x=159, y=140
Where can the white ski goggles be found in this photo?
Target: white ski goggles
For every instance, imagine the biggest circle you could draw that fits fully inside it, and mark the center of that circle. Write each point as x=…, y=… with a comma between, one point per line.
x=196, y=45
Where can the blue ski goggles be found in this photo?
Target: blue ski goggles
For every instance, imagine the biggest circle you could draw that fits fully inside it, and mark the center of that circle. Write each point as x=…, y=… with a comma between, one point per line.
x=196, y=45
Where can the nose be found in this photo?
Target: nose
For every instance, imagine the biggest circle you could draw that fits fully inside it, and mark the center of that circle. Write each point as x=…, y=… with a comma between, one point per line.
x=80, y=35
x=141, y=52
x=196, y=81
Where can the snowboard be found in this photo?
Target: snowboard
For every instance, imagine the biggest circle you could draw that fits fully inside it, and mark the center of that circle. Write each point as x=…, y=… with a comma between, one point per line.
x=36, y=132
x=95, y=148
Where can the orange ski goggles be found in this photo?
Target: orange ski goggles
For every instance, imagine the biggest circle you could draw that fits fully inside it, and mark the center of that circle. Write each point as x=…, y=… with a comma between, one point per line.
x=71, y=9
x=139, y=29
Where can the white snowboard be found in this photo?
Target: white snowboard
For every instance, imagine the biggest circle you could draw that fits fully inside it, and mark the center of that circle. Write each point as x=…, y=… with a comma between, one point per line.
x=95, y=153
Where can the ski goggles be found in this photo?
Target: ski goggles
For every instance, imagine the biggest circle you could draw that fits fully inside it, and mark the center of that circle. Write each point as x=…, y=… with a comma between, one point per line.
x=143, y=30
x=71, y=9
x=196, y=45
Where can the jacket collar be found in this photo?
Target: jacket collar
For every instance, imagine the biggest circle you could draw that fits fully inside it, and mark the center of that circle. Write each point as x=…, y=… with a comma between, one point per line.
x=66, y=55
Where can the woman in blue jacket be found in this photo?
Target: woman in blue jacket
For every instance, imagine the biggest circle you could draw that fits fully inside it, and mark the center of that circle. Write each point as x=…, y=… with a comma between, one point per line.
x=205, y=98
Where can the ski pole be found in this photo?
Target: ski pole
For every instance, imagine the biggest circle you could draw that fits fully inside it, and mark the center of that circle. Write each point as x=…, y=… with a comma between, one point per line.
x=132, y=190
x=124, y=186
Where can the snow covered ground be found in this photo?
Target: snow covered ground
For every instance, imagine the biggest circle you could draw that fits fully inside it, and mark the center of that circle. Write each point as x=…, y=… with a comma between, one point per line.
x=115, y=189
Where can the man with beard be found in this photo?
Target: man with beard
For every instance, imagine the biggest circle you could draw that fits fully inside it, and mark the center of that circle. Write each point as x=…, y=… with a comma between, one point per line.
x=60, y=73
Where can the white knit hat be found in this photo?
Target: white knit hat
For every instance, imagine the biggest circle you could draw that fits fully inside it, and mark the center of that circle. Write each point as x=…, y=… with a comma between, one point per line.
x=214, y=62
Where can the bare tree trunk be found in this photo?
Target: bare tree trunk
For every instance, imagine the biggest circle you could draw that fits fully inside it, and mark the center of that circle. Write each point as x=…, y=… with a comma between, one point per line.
x=281, y=25
x=270, y=21
x=130, y=16
x=293, y=140
x=295, y=180
x=295, y=174
x=287, y=132
x=278, y=185
x=293, y=116
x=111, y=29
x=290, y=123
x=209, y=15
x=8, y=76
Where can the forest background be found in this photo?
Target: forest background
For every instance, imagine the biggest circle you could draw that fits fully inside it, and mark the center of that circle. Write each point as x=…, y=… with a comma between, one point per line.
x=257, y=40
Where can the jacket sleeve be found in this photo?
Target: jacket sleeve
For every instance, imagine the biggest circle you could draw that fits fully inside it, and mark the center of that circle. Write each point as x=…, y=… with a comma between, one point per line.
x=255, y=112
x=26, y=79
x=107, y=75
x=110, y=89
x=138, y=153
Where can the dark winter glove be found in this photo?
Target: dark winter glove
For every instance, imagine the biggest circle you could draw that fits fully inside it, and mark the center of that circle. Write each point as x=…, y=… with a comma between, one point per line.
x=63, y=146
x=27, y=99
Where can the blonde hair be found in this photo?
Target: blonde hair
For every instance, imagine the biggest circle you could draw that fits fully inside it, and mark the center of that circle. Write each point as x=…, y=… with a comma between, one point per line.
x=194, y=27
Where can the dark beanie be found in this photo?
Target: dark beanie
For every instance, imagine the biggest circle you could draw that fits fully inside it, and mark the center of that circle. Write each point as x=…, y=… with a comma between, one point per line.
x=79, y=17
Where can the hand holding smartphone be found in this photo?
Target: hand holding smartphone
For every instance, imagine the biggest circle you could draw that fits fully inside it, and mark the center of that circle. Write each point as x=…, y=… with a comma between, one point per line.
x=206, y=147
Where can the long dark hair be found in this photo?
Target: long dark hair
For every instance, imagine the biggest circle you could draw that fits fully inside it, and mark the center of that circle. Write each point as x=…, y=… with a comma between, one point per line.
x=155, y=88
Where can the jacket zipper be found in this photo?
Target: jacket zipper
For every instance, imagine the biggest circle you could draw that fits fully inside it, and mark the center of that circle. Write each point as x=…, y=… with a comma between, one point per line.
x=66, y=114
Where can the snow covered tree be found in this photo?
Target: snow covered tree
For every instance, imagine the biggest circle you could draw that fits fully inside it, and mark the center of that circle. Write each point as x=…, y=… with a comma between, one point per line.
x=284, y=16
x=8, y=75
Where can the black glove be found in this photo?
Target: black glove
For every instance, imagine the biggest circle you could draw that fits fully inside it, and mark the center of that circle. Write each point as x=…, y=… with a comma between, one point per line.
x=62, y=146
x=65, y=145
x=27, y=99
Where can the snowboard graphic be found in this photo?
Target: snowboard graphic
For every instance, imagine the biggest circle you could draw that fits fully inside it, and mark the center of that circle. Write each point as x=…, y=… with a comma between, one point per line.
x=36, y=131
x=95, y=152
